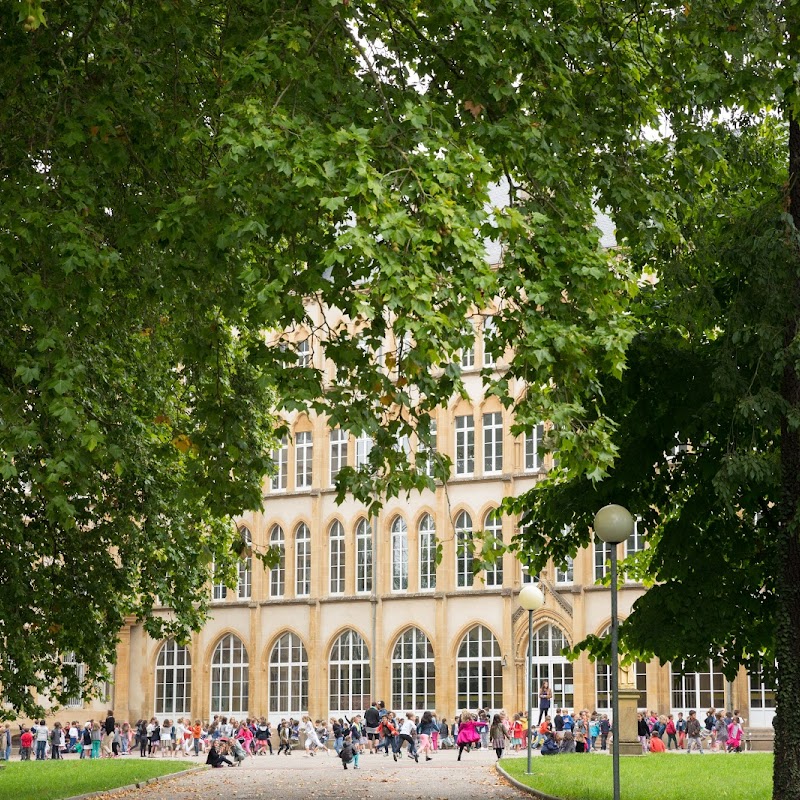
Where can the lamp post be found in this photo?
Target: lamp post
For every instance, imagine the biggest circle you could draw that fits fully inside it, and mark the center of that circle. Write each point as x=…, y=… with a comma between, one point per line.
x=531, y=599
x=614, y=524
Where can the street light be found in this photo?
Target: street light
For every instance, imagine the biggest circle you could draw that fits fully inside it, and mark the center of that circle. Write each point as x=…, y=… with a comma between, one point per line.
x=614, y=524
x=531, y=599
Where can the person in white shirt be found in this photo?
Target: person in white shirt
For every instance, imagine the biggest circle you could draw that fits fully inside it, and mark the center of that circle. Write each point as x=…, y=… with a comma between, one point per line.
x=407, y=731
x=312, y=740
x=42, y=735
x=177, y=737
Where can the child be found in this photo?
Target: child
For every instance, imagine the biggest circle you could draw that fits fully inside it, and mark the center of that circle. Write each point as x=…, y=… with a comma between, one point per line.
x=680, y=727
x=498, y=735
x=671, y=732
x=516, y=733
x=347, y=753
x=594, y=732
x=25, y=745
x=549, y=746
x=605, y=729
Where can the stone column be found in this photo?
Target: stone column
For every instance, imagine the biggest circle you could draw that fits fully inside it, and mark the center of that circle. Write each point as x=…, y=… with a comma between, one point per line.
x=627, y=727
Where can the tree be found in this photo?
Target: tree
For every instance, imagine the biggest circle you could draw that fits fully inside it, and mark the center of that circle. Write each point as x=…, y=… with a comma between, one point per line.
x=182, y=185
x=209, y=173
x=713, y=369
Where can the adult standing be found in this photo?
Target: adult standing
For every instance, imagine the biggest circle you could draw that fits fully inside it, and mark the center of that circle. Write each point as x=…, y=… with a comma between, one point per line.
x=5, y=733
x=108, y=740
x=545, y=698
x=372, y=720
x=41, y=740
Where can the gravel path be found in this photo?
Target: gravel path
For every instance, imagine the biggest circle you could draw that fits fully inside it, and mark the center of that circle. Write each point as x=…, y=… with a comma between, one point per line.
x=299, y=776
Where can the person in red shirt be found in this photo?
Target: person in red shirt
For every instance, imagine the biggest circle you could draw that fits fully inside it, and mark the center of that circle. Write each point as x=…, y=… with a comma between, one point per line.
x=25, y=744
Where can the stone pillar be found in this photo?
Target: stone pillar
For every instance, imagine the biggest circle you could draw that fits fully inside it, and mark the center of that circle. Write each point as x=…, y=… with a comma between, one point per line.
x=627, y=726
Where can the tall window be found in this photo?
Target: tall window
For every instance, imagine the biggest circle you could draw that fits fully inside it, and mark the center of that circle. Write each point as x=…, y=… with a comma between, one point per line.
x=550, y=665
x=304, y=455
x=429, y=451
x=489, y=332
x=492, y=442
x=336, y=539
x=427, y=552
x=74, y=672
x=399, y=554
x=534, y=460
x=565, y=573
x=697, y=689
x=413, y=673
x=302, y=556
x=304, y=353
x=288, y=677
x=464, y=557
x=230, y=678
x=173, y=679
x=350, y=677
x=762, y=696
x=277, y=575
x=602, y=557
x=363, y=556
x=245, y=585
x=479, y=670
x=363, y=448
x=280, y=457
x=465, y=445
x=493, y=525
x=338, y=452
x=219, y=591
x=634, y=544
x=526, y=576
x=602, y=672
x=468, y=353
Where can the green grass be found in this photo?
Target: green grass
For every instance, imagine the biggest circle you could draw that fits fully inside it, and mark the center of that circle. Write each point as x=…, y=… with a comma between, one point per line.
x=745, y=776
x=53, y=780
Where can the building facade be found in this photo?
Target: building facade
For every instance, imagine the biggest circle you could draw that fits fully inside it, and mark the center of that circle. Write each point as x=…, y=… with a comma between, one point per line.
x=359, y=609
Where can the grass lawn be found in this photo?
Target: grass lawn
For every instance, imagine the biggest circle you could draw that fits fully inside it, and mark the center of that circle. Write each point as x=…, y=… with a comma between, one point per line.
x=744, y=776
x=53, y=780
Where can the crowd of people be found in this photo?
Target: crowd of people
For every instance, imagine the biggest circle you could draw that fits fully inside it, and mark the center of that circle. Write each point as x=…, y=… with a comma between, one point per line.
x=721, y=731
x=229, y=742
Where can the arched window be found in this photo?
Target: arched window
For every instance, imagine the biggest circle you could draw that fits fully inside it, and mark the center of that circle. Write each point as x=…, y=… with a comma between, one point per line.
x=550, y=665
x=336, y=539
x=464, y=576
x=277, y=575
x=399, y=554
x=74, y=672
x=302, y=555
x=697, y=689
x=602, y=674
x=350, y=675
x=173, y=679
x=427, y=552
x=230, y=677
x=288, y=677
x=493, y=525
x=246, y=565
x=413, y=673
x=479, y=682
x=363, y=556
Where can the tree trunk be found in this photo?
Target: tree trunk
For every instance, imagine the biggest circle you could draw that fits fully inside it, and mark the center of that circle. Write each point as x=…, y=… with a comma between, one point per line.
x=786, y=776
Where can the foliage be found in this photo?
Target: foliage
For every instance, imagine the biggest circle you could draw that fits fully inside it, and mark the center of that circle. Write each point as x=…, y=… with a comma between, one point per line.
x=184, y=185
x=53, y=780
x=734, y=777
